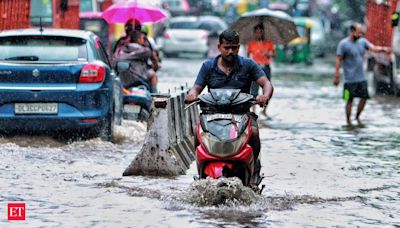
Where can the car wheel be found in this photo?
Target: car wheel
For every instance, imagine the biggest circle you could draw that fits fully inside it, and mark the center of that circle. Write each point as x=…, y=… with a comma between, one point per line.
x=106, y=132
x=118, y=113
x=118, y=105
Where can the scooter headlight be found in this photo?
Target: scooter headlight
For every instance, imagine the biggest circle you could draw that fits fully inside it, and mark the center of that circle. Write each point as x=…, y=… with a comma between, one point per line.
x=223, y=148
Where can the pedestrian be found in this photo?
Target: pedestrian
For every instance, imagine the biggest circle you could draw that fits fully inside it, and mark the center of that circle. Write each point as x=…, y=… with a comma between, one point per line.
x=350, y=54
x=262, y=51
x=230, y=70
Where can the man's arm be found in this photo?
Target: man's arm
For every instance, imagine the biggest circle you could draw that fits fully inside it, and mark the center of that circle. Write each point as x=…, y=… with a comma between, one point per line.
x=375, y=48
x=268, y=90
x=199, y=84
x=336, y=79
x=155, y=61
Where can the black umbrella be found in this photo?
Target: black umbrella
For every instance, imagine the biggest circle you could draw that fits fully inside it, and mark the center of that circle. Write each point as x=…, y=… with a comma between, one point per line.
x=278, y=26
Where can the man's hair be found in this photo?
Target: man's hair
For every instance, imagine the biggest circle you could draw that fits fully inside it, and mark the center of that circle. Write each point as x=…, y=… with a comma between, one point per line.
x=353, y=26
x=229, y=35
x=259, y=26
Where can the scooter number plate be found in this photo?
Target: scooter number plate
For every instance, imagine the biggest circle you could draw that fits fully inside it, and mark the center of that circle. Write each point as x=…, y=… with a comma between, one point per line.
x=132, y=108
x=219, y=116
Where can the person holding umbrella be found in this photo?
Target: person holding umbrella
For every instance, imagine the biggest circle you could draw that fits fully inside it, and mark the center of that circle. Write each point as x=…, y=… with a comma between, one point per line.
x=261, y=51
x=130, y=26
x=133, y=27
x=136, y=53
x=230, y=70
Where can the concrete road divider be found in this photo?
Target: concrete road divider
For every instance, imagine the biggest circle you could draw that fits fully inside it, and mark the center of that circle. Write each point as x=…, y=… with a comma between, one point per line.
x=168, y=148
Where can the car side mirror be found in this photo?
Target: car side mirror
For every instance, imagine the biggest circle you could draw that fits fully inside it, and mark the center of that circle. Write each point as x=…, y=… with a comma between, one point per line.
x=122, y=66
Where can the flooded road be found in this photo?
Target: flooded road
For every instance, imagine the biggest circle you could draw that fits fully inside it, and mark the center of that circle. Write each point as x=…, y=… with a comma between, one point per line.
x=318, y=171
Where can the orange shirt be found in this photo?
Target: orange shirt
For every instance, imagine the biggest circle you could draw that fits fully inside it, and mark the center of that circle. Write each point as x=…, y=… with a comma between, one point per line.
x=261, y=51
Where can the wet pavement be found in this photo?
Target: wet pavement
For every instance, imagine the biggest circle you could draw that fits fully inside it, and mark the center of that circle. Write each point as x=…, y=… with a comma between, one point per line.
x=318, y=171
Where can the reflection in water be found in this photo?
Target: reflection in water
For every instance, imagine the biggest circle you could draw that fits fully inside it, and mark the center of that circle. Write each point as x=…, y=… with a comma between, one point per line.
x=318, y=173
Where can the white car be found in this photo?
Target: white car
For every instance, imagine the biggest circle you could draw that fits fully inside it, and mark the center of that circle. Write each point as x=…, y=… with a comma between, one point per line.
x=183, y=36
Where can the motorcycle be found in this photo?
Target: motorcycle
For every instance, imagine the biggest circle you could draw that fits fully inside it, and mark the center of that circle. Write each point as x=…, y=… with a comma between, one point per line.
x=223, y=134
x=137, y=99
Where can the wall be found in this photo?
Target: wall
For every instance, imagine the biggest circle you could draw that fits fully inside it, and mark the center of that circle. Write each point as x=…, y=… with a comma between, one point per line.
x=378, y=21
x=14, y=14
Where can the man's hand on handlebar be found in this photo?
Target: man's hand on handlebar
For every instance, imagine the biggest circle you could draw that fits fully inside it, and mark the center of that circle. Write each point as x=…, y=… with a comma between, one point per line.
x=190, y=98
x=262, y=100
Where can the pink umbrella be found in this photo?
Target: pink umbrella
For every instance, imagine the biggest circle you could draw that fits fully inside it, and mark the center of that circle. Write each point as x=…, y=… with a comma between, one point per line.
x=122, y=11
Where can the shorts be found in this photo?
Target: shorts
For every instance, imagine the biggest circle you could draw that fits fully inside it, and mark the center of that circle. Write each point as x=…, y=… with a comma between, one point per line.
x=355, y=89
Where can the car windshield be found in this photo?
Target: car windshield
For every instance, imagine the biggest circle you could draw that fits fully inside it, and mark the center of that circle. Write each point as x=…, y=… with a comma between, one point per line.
x=42, y=48
x=211, y=26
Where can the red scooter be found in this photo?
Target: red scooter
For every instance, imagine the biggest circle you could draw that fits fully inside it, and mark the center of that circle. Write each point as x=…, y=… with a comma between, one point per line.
x=223, y=134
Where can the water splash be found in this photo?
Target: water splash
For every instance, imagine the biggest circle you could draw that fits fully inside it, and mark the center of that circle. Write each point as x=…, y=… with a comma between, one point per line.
x=131, y=131
x=209, y=192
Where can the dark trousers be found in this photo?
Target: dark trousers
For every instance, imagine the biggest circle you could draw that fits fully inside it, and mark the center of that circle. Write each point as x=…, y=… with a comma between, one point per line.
x=254, y=86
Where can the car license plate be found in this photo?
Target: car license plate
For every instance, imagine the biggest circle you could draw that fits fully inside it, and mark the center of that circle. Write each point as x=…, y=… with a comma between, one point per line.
x=132, y=108
x=36, y=108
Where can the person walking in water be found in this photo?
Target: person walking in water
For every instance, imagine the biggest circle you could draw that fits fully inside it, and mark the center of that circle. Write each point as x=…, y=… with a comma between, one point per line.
x=350, y=54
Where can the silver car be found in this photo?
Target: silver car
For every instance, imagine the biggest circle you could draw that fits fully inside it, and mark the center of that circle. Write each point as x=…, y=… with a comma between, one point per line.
x=190, y=34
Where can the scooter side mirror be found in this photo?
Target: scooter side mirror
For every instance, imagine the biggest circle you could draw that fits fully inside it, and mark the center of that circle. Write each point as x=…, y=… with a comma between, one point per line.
x=122, y=66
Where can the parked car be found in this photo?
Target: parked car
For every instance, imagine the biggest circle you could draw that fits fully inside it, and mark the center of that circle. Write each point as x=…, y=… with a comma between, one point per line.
x=190, y=34
x=57, y=80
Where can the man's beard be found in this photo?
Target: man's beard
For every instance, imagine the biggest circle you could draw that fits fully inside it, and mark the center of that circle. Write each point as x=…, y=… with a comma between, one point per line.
x=230, y=58
x=355, y=38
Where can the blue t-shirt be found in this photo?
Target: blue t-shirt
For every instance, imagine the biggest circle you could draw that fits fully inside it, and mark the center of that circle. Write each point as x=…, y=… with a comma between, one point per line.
x=242, y=75
x=353, y=58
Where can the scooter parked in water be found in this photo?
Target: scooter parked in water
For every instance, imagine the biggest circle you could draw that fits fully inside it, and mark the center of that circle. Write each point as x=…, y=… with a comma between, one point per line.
x=137, y=99
x=223, y=134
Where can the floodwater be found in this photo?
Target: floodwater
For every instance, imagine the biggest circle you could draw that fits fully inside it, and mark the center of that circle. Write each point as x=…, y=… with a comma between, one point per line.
x=318, y=171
